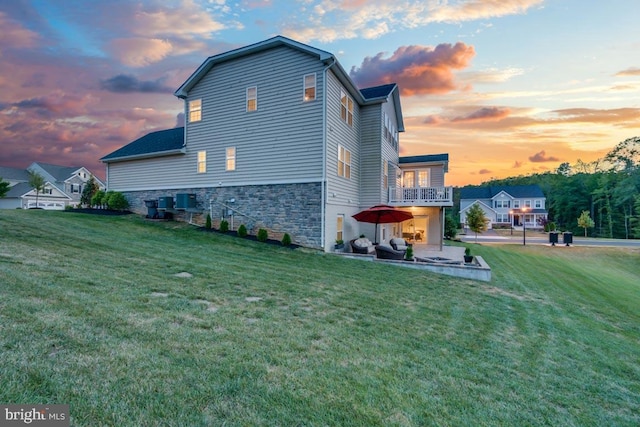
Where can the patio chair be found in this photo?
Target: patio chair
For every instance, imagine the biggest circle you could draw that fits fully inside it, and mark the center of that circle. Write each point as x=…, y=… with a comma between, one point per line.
x=399, y=244
x=387, y=252
x=362, y=246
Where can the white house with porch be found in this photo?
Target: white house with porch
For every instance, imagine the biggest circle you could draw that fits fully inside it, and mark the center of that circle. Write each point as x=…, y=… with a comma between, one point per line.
x=506, y=206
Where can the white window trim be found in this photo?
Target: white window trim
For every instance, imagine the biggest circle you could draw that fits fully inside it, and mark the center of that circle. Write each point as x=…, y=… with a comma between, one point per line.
x=193, y=110
x=202, y=162
x=342, y=159
x=305, y=87
x=347, y=105
x=254, y=98
x=230, y=157
x=340, y=227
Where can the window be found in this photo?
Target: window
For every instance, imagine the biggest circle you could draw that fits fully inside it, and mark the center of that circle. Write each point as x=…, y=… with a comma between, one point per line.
x=501, y=203
x=516, y=204
x=47, y=191
x=339, y=228
x=202, y=161
x=75, y=188
x=344, y=162
x=409, y=179
x=423, y=178
x=502, y=218
x=538, y=203
x=346, y=109
x=252, y=98
x=309, y=87
x=527, y=203
x=231, y=159
x=195, y=110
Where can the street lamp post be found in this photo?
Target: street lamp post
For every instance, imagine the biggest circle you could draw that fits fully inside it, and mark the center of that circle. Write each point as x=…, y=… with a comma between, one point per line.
x=524, y=227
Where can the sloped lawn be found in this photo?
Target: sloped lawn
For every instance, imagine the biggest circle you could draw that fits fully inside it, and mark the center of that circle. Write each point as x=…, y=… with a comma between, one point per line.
x=135, y=323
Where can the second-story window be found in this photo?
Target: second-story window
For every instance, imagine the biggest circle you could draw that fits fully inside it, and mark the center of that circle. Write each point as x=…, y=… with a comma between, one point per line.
x=202, y=161
x=230, y=159
x=538, y=203
x=346, y=108
x=252, y=98
x=344, y=162
x=195, y=110
x=309, y=87
x=516, y=204
x=385, y=174
x=527, y=203
x=423, y=178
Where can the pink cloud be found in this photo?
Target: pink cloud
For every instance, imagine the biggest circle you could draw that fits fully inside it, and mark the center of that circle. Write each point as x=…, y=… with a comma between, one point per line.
x=541, y=157
x=484, y=114
x=633, y=71
x=14, y=35
x=417, y=70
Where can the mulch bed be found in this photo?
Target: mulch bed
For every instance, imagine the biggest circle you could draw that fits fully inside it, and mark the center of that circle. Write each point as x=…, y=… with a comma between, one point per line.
x=99, y=211
x=248, y=237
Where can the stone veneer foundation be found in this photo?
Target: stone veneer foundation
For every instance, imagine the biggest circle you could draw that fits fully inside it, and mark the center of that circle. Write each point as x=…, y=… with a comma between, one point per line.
x=280, y=208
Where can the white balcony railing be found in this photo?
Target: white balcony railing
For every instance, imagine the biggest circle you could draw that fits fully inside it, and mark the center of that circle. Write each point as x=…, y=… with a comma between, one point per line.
x=421, y=196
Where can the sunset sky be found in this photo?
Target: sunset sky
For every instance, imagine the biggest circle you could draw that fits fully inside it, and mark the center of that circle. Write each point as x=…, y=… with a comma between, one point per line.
x=506, y=87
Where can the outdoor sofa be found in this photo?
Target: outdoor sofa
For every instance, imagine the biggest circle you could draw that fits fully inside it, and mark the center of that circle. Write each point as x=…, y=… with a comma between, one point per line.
x=387, y=252
x=362, y=245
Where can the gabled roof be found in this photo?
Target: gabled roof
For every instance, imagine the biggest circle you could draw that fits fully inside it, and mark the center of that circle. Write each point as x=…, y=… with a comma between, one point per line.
x=18, y=190
x=271, y=43
x=515, y=191
x=363, y=97
x=57, y=172
x=13, y=174
x=161, y=143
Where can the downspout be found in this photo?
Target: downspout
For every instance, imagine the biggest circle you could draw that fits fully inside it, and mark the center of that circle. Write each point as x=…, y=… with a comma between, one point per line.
x=442, y=217
x=324, y=153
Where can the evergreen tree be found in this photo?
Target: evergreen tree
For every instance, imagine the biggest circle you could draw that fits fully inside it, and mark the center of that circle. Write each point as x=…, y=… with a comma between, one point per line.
x=476, y=220
x=90, y=188
x=4, y=188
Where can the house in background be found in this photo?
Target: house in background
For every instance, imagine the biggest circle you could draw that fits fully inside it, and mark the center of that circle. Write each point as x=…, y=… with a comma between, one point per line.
x=506, y=206
x=63, y=186
x=278, y=136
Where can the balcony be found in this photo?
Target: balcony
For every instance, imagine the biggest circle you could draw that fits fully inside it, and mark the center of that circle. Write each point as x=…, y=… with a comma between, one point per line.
x=421, y=196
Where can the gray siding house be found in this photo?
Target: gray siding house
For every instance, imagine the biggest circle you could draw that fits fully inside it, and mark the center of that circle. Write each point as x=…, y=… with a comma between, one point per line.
x=512, y=206
x=63, y=186
x=278, y=136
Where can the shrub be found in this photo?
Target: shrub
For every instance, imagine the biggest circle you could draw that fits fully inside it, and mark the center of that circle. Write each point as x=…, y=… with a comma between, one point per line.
x=224, y=226
x=207, y=223
x=286, y=240
x=409, y=254
x=263, y=235
x=467, y=251
x=242, y=231
x=98, y=199
x=117, y=201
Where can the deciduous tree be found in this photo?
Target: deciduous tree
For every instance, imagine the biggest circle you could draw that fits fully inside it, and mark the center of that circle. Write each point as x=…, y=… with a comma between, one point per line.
x=476, y=220
x=585, y=221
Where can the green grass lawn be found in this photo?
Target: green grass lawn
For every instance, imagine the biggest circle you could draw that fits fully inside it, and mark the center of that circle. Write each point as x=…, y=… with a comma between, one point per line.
x=94, y=313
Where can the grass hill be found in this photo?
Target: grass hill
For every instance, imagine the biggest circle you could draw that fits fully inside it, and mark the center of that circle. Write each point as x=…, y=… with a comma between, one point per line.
x=134, y=323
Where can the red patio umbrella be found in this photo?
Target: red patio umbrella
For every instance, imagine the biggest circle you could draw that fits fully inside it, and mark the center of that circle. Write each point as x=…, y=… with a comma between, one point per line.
x=382, y=214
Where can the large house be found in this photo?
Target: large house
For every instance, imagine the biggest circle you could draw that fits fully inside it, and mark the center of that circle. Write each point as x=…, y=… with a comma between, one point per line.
x=513, y=206
x=278, y=136
x=63, y=186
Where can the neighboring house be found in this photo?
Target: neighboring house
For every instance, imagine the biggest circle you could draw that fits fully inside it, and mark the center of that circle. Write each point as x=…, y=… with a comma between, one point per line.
x=506, y=205
x=278, y=136
x=63, y=186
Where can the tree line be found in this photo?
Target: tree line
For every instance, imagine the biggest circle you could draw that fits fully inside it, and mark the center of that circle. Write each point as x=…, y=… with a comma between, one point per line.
x=607, y=188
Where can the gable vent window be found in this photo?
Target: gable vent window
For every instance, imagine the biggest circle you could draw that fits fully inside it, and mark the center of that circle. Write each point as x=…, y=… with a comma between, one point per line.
x=195, y=110
x=310, y=87
x=252, y=98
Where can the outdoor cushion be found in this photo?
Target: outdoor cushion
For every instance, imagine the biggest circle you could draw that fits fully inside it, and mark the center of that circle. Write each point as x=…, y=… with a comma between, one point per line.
x=399, y=244
x=363, y=246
